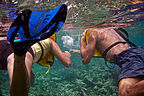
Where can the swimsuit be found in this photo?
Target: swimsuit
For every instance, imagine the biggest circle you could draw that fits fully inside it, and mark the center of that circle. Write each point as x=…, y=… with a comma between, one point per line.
x=5, y=50
x=131, y=62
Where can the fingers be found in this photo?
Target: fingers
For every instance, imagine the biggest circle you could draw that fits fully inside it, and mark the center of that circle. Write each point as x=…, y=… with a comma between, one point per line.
x=83, y=38
x=75, y=51
x=67, y=59
x=84, y=33
x=72, y=50
x=67, y=54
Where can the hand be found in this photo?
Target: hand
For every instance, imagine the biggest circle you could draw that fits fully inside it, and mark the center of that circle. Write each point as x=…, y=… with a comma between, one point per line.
x=75, y=51
x=83, y=38
x=67, y=58
x=67, y=54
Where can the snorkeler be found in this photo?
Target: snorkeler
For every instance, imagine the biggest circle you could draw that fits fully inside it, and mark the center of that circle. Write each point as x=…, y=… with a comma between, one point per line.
x=111, y=45
x=34, y=55
x=32, y=44
x=38, y=53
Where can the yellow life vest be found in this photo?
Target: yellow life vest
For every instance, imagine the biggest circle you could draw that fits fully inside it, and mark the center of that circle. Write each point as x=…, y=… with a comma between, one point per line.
x=96, y=52
x=49, y=58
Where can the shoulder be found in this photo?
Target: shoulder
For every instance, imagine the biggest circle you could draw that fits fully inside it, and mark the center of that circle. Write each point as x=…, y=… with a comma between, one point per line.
x=93, y=33
x=92, y=36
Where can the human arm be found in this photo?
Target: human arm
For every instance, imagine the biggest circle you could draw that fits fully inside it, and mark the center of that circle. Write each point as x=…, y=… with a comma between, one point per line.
x=63, y=57
x=88, y=50
x=75, y=51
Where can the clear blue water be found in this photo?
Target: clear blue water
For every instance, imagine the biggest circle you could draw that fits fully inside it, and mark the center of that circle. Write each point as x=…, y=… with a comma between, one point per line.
x=94, y=79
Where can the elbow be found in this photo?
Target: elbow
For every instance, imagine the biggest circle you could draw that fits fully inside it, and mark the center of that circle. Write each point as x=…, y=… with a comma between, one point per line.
x=84, y=57
x=85, y=61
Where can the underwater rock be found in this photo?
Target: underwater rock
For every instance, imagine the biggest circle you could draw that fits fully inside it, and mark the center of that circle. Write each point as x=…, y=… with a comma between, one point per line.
x=96, y=88
x=83, y=92
x=56, y=79
x=103, y=90
x=89, y=82
x=80, y=82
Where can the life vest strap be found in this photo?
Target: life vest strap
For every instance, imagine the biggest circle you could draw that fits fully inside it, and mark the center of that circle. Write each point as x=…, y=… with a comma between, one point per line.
x=42, y=51
x=105, y=52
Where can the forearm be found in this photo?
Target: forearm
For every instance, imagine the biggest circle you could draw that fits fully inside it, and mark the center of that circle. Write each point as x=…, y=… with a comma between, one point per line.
x=63, y=57
x=75, y=51
x=20, y=79
x=83, y=51
x=88, y=50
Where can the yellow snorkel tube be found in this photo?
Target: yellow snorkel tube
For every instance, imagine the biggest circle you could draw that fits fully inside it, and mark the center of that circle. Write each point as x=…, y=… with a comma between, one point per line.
x=96, y=52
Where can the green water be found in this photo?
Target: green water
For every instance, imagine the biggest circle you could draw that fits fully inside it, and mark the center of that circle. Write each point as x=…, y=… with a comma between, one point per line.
x=94, y=79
